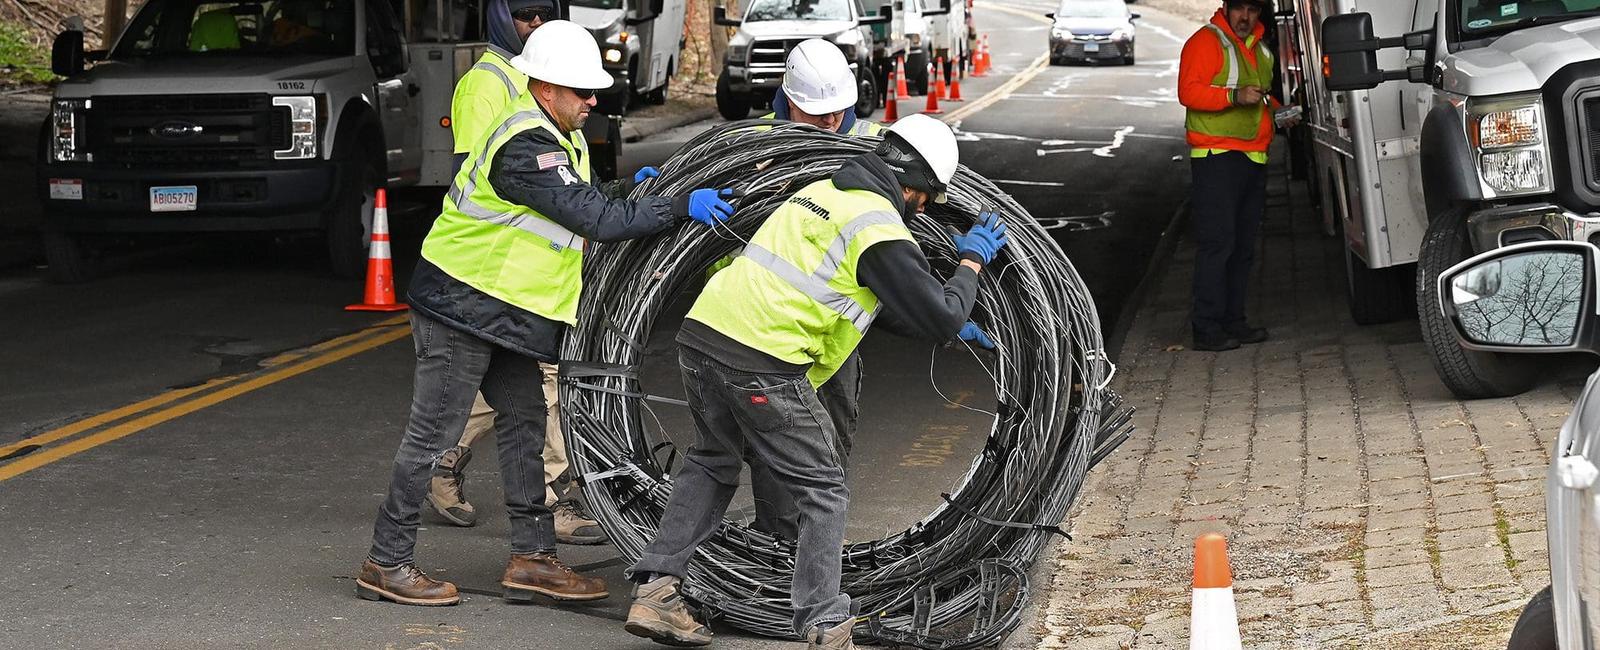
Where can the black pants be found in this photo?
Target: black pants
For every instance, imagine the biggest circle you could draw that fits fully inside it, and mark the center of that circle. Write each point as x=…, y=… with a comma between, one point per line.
x=1229, y=195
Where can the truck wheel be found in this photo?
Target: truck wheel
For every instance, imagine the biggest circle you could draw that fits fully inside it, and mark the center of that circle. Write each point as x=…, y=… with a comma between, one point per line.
x=866, y=93
x=351, y=217
x=70, y=257
x=732, y=105
x=1468, y=374
x=1536, y=627
x=917, y=73
x=658, y=97
x=1377, y=295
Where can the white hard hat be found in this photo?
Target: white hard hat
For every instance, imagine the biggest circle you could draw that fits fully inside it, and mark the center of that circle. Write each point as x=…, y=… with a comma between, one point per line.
x=933, y=146
x=817, y=79
x=563, y=53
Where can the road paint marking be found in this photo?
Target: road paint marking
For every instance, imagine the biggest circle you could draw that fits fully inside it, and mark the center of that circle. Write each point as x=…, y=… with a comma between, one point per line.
x=935, y=447
x=1078, y=223
x=312, y=358
x=1011, y=85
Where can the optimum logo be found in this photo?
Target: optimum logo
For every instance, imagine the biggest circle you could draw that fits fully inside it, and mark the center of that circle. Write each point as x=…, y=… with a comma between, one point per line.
x=807, y=204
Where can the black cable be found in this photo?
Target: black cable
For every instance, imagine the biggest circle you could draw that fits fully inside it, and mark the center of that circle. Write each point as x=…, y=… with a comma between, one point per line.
x=1049, y=374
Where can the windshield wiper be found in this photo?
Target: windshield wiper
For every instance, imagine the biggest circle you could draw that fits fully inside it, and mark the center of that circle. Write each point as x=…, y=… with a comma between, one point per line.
x=1530, y=21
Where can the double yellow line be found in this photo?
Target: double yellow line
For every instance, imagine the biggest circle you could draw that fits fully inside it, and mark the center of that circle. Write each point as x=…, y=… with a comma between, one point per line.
x=142, y=415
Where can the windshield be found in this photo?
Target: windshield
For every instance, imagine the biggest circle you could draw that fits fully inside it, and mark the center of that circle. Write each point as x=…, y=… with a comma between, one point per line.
x=265, y=27
x=598, y=4
x=1092, y=9
x=761, y=10
x=1481, y=16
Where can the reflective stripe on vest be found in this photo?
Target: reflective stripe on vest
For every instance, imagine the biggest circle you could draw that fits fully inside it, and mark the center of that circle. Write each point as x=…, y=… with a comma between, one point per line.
x=511, y=86
x=1236, y=122
x=462, y=188
x=793, y=293
x=503, y=249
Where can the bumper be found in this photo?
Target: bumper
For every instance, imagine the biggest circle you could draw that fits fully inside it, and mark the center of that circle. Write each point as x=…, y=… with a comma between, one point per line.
x=1078, y=49
x=758, y=81
x=1503, y=226
x=118, y=200
x=619, y=80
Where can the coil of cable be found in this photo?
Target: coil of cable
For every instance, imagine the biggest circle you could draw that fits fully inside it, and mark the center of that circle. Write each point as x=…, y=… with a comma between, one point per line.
x=1050, y=373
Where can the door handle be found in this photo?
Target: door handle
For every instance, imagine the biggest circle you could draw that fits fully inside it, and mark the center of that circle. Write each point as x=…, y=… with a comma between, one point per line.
x=412, y=90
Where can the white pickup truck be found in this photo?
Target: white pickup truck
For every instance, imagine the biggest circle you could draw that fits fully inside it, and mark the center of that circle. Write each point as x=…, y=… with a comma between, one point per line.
x=256, y=115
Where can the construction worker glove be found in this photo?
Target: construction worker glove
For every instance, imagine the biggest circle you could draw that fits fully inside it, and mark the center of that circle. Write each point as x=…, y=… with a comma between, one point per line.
x=705, y=205
x=645, y=173
x=984, y=240
x=971, y=333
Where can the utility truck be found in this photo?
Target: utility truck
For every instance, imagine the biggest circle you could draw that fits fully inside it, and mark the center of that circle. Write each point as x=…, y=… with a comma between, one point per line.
x=640, y=44
x=752, y=68
x=256, y=115
x=1474, y=124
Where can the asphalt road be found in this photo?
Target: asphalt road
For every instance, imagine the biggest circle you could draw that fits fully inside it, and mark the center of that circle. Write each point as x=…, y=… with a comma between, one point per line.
x=203, y=479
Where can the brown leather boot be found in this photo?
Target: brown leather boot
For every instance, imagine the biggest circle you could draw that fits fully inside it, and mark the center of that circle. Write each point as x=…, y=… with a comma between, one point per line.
x=543, y=573
x=447, y=489
x=574, y=526
x=658, y=613
x=404, y=584
x=833, y=638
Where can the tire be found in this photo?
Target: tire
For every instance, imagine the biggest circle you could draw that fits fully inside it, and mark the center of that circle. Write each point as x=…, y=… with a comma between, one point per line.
x=1536, y=627
x=1377, y=296
x=917, y=74
x=349, y=221
x=616, y=103
x=731, y=105
x=866, y=93
x=70, y=257
x=1468, y=374
x=658, y=97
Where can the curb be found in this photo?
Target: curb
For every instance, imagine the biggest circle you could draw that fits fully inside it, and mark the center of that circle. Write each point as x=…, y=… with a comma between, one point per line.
x=1160, y=258
x=634, y=132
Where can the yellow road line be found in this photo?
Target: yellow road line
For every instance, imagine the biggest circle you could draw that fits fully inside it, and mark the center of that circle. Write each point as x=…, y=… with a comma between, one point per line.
x=236, y=385
x=1011, y=85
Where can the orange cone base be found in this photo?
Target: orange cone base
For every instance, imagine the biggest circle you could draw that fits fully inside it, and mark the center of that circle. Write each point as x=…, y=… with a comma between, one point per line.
x=955, y=91
x=399, y=306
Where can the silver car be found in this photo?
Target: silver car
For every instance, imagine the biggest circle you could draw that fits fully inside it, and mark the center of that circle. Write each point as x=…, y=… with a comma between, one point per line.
x=1092, y=31
x=1540, y=297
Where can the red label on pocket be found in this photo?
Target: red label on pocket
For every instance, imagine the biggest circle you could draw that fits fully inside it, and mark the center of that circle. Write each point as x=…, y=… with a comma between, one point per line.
x=758, y=399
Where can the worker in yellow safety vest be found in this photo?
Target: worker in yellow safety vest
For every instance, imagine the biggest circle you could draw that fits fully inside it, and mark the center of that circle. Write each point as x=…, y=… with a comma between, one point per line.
x=832, y=260
x=481, y=94
x=493, y=295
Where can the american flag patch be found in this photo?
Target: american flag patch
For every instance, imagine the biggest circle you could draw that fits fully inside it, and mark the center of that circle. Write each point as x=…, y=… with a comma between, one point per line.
x=552, y=160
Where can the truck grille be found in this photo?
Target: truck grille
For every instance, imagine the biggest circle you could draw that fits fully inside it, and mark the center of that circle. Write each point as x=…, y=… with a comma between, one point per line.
x=767, y=58
x=183, y=130
x=1589, y=115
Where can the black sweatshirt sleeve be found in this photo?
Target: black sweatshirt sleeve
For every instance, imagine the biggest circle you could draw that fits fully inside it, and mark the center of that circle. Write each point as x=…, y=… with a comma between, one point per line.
x=915, y=302
x=557, y=193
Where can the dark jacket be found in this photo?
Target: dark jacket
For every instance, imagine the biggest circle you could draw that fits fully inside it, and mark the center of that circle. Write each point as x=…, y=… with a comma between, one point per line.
x=579, y=207
x=914, y=302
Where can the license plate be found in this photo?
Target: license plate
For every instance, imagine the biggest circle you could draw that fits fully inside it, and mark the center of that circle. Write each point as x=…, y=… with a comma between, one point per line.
x=66, y=189
x=177, y=198
x=1091, y=47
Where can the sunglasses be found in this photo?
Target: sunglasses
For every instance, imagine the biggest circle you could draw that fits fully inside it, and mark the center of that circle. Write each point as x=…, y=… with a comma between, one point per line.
x=532, y=14
x=584, y=94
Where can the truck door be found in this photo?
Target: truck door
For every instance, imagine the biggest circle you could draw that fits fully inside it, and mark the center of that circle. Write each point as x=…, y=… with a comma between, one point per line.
x=394, y=91
x=666, y=32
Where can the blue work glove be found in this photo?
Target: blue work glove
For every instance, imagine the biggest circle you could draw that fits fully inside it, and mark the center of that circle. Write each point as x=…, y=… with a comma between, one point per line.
x=970, y=332
x=983, y=240
x=704, y=205
x=645, y=173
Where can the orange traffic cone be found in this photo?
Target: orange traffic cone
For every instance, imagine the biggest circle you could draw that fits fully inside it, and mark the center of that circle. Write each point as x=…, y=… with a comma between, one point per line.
x=380, y=268
x=1213, y=619
x=932, y=108
x=891, y=107
x=938, y=81
x=900, y=79
x=986, y=61
x=955, y=89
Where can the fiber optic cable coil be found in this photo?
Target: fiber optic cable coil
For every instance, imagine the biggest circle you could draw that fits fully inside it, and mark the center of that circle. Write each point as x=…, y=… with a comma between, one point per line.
x=955, y=579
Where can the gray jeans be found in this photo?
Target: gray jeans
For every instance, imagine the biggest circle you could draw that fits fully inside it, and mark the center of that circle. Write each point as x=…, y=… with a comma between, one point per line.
x=776, y=512
x=451, y=367
x=777, y=419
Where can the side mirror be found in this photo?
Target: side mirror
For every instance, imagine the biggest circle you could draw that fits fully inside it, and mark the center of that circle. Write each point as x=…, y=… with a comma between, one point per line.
x=720, y=17
x=1050, y=14
x=1350, y=53
x=66, y=54
x=1133, y=16
x=1532, y=297
x=884, y=17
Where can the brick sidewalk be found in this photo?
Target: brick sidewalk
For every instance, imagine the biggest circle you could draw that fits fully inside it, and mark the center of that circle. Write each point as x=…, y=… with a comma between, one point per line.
x=1364, y=506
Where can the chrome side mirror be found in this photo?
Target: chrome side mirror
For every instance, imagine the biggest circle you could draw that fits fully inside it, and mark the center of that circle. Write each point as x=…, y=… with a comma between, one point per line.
x=1533, y=297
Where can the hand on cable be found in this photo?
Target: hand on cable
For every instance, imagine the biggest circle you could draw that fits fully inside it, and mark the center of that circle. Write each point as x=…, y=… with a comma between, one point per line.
x=970, y=332
x=705, y=205
x=645, y=173
x=983, y=240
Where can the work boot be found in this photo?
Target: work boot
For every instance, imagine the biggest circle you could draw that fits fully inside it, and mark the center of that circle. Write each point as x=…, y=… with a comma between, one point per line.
x=833, y=638
x=543, y=573
x=573, y=525
x=1247, y=334
x=658, y=613
x=1218, y=343
x=447, y=489
x=404, y=584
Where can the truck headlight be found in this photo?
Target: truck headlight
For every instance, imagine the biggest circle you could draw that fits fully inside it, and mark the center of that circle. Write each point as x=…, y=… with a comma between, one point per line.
x=1509, y=136
x=1061, y=34
x=737, y=54
x=613, y=55
x=66, y=137
x=302, y=127
x=916, y=39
